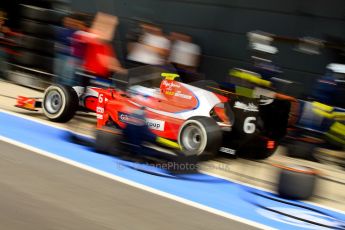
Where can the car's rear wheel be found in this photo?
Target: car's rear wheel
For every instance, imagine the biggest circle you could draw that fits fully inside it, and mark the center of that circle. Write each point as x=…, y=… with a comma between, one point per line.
x=200, y=136
x=60, y=103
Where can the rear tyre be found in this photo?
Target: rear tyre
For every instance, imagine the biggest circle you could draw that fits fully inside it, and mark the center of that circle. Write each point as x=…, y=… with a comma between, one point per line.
x=60, y=103
x=297, y=183
x=200, y=136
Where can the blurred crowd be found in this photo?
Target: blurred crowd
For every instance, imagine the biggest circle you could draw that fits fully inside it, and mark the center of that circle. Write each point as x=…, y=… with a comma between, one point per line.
x=148, y=45
x=84, y=44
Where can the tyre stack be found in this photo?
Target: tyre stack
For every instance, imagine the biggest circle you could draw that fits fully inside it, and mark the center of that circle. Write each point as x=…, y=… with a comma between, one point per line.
x=33, y=65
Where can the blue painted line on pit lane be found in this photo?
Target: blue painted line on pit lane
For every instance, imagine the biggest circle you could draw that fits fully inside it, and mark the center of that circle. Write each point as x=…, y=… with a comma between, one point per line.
x=211, y=191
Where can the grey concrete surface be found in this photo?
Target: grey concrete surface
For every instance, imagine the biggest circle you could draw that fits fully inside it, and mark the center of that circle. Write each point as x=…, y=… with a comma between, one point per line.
x=37, y=192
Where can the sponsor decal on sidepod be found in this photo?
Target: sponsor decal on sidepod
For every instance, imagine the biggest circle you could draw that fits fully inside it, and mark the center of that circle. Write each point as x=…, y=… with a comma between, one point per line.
x=151, y=123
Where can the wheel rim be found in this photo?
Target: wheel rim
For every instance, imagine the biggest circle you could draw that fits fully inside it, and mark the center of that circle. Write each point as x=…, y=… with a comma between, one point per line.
x=53, y=102
x=193, y=139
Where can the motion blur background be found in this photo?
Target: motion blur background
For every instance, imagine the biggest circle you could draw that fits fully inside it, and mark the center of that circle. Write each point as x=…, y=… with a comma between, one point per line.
x=219, y=27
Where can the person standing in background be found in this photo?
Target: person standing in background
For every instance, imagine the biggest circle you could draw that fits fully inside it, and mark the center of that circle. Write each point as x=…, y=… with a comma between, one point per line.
x=136, y=31
x=185, y=56
x=152, y=48
x=100, y=59
x=79, y=44
x=64, y=66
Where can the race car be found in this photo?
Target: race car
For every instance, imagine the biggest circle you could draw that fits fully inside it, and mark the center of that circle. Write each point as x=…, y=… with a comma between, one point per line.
x=199, y=121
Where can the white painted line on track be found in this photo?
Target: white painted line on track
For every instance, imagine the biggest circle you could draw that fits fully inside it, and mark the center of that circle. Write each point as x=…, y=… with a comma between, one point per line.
x=51, y=124
x=133, y=184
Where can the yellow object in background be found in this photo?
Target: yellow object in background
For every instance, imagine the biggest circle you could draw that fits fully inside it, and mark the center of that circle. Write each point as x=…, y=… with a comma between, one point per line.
x=338, y=128
x=243, y=91
x=339, y=116
x=327, y=111
x=323, y=113
x=251, y=77
x=323, y=107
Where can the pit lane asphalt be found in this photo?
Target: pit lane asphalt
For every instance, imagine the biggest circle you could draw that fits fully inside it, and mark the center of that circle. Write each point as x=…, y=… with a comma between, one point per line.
x=37, y=192
x=254, y=173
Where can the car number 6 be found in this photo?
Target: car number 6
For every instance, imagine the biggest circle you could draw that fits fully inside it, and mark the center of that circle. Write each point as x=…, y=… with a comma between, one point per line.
x=100, y=98
x=248, y=126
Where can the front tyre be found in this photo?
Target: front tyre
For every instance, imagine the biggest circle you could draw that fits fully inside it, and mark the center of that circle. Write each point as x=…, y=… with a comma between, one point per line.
x=60, y=103
x=200, y=136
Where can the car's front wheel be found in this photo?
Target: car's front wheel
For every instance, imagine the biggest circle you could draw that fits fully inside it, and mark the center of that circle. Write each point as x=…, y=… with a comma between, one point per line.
x=60, y=103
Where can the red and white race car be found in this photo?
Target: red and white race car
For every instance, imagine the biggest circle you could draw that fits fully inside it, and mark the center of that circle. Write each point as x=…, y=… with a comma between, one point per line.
x=201, y=122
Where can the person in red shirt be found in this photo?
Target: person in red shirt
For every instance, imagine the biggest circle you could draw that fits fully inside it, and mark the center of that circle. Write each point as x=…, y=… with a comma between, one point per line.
x=100, y=60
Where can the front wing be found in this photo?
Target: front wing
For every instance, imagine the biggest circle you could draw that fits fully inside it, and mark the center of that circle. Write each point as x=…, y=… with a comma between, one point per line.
x=29, y=103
